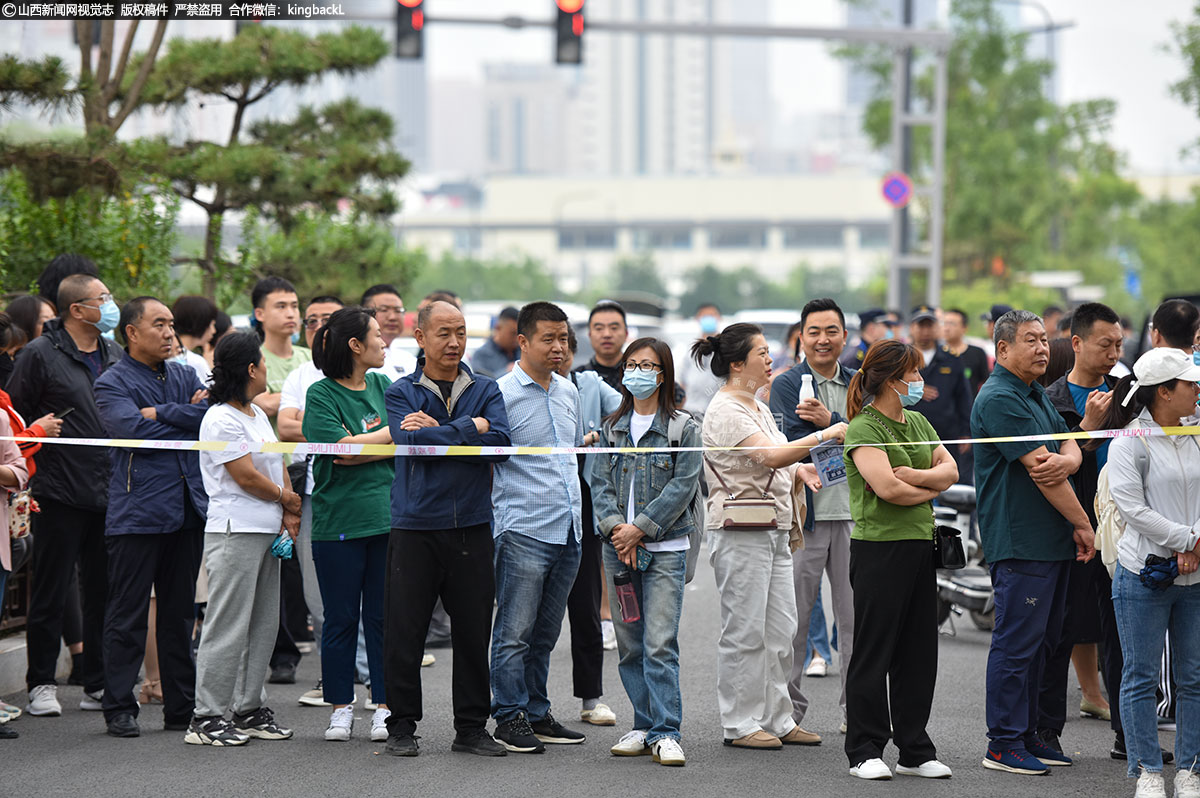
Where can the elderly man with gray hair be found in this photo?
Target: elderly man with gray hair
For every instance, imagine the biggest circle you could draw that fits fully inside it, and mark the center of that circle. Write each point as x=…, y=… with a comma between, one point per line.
x=1032, y=527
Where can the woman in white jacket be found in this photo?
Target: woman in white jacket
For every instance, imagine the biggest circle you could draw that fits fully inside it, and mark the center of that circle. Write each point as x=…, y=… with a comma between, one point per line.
x=1155, y=483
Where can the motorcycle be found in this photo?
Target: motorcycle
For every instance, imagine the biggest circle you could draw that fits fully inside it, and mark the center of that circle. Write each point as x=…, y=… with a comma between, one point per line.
x=966, y=590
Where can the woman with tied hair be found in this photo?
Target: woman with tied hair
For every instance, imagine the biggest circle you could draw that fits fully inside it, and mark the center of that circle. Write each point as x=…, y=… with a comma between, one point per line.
x=250, y=502
x=1155, y=483
x=894, y=474
x=753, y=567
x=351, y=509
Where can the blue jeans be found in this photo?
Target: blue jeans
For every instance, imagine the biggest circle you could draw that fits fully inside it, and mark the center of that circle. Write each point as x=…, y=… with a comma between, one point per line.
x=1143, y=617
x=533, y=580
x=1031, y=597
x=649, y=647
x=818, y=633
x=352, y=574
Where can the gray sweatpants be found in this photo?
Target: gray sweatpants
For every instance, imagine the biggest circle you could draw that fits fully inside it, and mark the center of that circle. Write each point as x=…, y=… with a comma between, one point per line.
x=240, y=624
x=826, y=549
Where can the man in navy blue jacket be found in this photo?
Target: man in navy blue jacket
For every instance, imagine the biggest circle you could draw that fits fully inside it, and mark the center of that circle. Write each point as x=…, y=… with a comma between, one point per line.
x=441, y=539
x=155, y=524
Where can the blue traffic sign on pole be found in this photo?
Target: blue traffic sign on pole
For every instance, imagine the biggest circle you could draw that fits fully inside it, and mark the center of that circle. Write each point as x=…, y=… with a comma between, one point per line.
x=897, y=189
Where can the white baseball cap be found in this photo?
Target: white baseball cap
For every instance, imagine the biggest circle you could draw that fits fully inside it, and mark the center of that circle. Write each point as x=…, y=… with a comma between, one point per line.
x=1163, y=365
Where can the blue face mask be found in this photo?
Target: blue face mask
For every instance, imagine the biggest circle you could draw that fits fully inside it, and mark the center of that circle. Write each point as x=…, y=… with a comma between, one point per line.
x=296, y=337
x=639, y=383
x=110, y=314
x=1196, y=358
x=708, y=324
x=915, y=391
x=889, y=334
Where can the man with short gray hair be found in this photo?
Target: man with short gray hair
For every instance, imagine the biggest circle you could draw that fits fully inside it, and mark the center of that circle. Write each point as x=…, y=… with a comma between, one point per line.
x=1032, y=527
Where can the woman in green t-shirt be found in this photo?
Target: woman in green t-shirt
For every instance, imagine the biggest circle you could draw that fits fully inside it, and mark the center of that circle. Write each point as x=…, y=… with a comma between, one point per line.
x=351, y=509
x=894, y=474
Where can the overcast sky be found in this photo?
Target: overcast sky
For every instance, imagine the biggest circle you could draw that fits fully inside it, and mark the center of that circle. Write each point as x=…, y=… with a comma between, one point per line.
x=1114, y=50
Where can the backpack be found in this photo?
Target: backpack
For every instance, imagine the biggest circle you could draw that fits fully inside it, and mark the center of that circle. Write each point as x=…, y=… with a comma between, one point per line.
x=1109, y=524
x=675, y=428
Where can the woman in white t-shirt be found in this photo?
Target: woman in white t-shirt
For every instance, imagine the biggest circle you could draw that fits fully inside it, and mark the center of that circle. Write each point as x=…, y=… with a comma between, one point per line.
x=753, y=566
x=641, y=501
x=250, y=503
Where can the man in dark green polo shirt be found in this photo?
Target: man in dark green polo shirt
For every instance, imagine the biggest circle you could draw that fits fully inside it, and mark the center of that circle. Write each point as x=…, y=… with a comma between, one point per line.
x=1032, y=527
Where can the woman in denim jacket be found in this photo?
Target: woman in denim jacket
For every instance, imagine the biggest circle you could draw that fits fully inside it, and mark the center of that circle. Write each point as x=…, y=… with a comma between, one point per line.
x=642, y=500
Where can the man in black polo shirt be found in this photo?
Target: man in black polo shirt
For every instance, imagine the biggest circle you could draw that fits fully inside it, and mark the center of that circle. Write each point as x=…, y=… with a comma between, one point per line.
x=1033, y=527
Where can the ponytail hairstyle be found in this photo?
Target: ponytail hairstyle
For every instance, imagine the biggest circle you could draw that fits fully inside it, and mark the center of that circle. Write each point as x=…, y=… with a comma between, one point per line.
x=331, y=345
x=731, y=345
x=886, y=360
x=1125, y=408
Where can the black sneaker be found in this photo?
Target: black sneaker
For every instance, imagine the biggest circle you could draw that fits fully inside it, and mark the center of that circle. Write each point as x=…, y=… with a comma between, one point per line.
x=517, y=735
x=478, y=742
x=284, y=674
x=550, y=731
x=123, y=725
x=1049, y=738
x=213, y=731
x=261, y=724
x=1118, y=750
x=402, y=746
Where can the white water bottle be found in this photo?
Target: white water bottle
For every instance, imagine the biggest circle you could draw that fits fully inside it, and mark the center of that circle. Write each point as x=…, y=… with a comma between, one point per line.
x=806, y=387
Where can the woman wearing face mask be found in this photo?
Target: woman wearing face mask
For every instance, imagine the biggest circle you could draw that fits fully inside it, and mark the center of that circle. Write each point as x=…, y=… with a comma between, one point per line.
x=894, y=475
x=642, y=502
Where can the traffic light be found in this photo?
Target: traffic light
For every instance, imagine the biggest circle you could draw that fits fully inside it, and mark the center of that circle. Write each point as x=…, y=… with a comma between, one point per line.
x=410, y=28
x=569, y=29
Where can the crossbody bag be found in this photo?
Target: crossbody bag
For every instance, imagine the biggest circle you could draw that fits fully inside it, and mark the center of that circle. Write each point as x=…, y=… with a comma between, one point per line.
x=756, y=513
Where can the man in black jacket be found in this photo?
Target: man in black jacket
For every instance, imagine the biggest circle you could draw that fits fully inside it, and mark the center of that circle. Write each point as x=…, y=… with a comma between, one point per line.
x=948, y=398
x=1082, y=397
x=55, y=374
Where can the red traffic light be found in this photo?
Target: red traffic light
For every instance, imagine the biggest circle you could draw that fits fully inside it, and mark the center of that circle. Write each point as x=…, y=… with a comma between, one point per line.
x=414, y=3
x=570, y=6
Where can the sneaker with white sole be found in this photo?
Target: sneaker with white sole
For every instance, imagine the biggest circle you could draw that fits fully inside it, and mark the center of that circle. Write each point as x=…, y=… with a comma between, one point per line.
x=872, y=769
x=1150, y=785
x=668, y=751
x=379, y=732
x=341, y=725
x=632, y=744
x=599, y=715
x=9, y=712
x=1187, y=784
x=92, y=702
x=609, y=635
x=215, y=731
x=261, y=724
x=43, y=701
x=932, y=769
x=315, y=697
x=817, y=668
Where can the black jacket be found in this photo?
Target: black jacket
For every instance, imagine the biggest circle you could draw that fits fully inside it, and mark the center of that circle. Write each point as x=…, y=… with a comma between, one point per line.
x=785, y=395
x=950, y=413
x=49, y=376
x=1085, y=479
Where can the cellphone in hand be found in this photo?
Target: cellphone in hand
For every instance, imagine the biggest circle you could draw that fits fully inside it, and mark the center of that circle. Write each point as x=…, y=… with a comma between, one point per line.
x=64, y=413
x=644, y=558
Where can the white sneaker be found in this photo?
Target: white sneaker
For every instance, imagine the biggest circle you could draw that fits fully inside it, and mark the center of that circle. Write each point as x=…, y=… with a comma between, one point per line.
x=817, y=668
x=9, y=712
x=609, y=633
x=842, y=728
x=379, y=732
x=341, y=723
x=1187, y=784
x=91, y=702
x=873, y=769
x=632, y=744
x=43, y=701
x=370, y=706
x=932, y=769
x=668, y=751
x=315, y=697
x=427, y=659
x=1150, y=785
x=599, y=715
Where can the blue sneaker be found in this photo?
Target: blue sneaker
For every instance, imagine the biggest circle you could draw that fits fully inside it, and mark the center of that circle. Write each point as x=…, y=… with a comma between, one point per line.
x=1046, y=754
x=1014, y=760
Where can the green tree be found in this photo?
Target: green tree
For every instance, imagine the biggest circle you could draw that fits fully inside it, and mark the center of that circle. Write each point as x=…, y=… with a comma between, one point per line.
x=473, y=279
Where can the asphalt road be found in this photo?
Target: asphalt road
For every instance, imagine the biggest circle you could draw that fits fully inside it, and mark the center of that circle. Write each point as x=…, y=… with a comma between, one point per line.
x=71, y=755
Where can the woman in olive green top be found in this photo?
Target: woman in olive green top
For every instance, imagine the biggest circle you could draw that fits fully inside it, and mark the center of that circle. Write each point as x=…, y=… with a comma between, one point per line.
x=351, y=509
x=894, y=474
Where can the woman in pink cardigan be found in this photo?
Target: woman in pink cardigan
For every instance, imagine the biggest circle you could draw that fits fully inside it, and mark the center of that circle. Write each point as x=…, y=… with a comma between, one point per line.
x=14, y=476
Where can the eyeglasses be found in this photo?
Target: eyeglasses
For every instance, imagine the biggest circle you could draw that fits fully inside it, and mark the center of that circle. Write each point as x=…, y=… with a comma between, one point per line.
x=313, y=322
x=395, y=309
x=645, y=366
x=103, y=299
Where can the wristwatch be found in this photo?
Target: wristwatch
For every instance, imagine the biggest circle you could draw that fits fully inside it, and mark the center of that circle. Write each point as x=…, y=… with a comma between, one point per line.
x=820, y=436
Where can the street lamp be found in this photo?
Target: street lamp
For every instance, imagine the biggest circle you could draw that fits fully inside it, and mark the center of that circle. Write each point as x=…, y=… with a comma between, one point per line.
x=1050, y=28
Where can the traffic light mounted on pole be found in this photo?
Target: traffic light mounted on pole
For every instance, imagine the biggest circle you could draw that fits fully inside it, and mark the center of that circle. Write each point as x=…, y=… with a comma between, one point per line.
x=568, y=48
x=410, y=28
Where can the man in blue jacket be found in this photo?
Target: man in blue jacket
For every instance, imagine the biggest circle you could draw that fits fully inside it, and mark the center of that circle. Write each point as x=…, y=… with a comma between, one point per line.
x=155, y=524
x=441, y=539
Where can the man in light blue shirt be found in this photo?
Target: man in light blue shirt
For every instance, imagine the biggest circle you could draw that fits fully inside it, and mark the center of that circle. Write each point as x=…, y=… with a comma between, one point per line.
x=537, y=529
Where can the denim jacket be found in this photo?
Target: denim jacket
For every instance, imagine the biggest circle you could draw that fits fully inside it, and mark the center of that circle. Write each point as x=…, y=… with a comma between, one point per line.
x=663, y=499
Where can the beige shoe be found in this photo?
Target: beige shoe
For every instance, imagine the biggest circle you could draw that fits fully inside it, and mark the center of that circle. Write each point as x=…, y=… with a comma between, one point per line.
x=760, y=740
x=798, y=736
x=427, y=659
x=1089, y=710
x=600, y=715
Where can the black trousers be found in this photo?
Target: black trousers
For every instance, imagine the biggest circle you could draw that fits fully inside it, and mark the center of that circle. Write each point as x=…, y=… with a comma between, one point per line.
x=64, y=536
x=293, y=616
x=583, y=609
x=422, y=566
x=1089, y=615
x=894, y=664
x=169, y=562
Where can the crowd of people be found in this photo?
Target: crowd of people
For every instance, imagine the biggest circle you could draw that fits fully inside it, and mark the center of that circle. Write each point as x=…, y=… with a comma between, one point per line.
x=198, y=573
